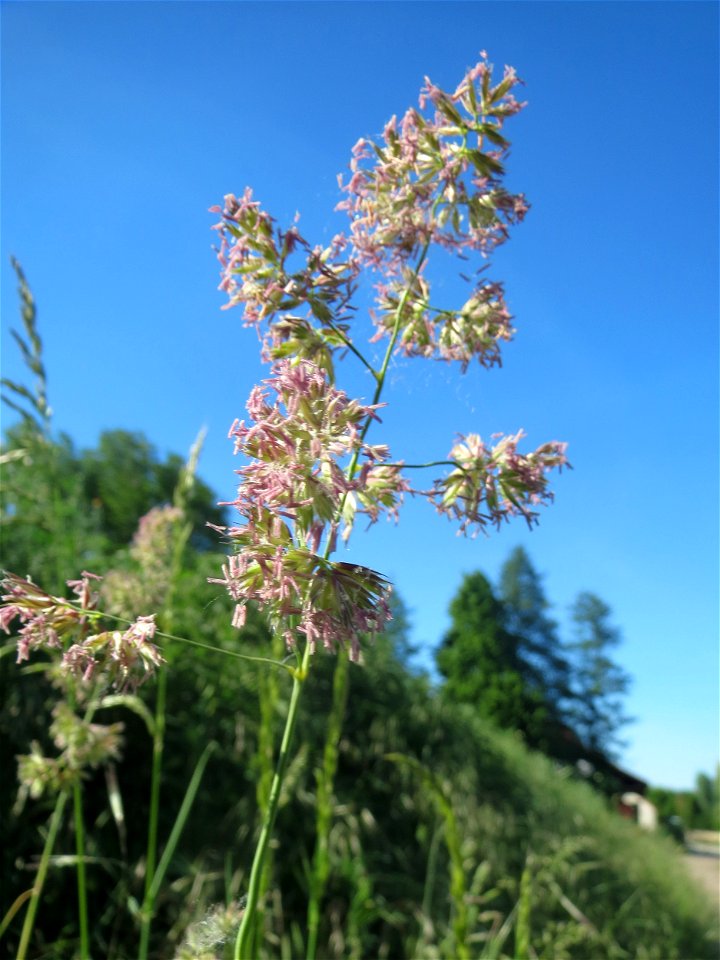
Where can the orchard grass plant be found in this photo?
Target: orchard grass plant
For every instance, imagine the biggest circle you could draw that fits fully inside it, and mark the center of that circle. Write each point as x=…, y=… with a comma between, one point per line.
x=432, y=182
x=433, y=836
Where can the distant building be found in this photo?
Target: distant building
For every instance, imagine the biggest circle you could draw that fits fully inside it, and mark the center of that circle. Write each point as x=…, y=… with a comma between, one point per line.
x=638, y=808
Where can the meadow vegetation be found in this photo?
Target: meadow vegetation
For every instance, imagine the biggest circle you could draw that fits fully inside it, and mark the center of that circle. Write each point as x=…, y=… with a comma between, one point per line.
x=266, y=774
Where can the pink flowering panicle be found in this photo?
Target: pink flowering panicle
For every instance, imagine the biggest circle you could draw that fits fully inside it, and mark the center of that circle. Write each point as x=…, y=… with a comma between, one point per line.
x=293, y=496
x=297, y=296
x=428, y=191
x=122, y=658
x=434, y=178
x=431, y=185
x=489, y=485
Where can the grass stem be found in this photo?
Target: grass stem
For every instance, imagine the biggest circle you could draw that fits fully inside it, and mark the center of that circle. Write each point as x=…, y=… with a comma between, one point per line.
x=247, y=925
x=324, y=802
x=81, y=880
x=148, y=907
x=55, y=821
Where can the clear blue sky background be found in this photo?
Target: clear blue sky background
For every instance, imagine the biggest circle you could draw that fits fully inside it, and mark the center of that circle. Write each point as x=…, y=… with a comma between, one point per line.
x=123, y=122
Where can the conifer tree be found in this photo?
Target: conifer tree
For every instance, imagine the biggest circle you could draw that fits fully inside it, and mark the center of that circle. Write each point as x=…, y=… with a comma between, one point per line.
x=599, y=683
x=543, y=661
x=480, y=662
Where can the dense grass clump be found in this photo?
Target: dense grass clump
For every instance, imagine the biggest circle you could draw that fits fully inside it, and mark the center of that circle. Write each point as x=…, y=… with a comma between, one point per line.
x=441, y=828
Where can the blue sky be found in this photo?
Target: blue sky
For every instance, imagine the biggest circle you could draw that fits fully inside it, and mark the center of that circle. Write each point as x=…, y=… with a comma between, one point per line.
x=123, y=122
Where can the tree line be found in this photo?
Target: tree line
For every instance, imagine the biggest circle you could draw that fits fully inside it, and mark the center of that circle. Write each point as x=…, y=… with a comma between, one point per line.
x=503, y=653
x=502, y=664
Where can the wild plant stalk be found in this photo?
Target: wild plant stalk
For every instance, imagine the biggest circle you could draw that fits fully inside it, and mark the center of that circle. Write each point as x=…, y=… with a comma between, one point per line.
x=268, y=700
x=431, y=871
x=148, y=906
x=458, y=880
x=320, y=872
x=79, y=821
x=180, y=821
x=80, y=869
x=326, y=777
x=248, y=923
x=429, y=181
x=522, y=924
x=53, y=827
x=39, y=415
x=180, y=540
x=324, y=803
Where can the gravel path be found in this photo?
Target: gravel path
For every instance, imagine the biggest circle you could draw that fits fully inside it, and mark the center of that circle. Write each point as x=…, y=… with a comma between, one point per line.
x=703, y=862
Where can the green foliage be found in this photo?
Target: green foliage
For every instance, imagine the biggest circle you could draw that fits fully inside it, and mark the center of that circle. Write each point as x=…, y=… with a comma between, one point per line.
x=532, y=861
x=707, y=799
x=481, y=662
x=596, y=886
x=698, y=809
x=124, y=478
x=61, y=511
x=50, y=531
x=440, y=795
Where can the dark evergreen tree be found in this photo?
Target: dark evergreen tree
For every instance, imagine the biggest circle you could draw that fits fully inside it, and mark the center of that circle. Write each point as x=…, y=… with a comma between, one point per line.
x=544, y=664
x=599, y=683
x=480, y=662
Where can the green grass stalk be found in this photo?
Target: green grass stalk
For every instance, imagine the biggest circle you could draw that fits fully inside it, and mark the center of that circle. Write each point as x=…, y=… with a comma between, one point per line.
x=81, y=879
x=522, y=925
x=268, y=696
x=458, y=880
x=326, y=778
x=148, y=907
x=431, y=872
x=248, y=923
x=53, y=828
x=180, y=820
x=324, y=803
x=183, y=490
